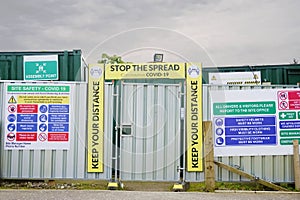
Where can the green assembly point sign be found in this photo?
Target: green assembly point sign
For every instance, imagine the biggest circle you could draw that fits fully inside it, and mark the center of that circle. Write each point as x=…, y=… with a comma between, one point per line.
x=41, y=67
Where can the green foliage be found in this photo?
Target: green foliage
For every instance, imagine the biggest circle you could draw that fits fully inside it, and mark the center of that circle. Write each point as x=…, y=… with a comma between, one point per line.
x=106, y=59
x=289, y=186
x=135, y=185
x=243, y=186
x=200, y=186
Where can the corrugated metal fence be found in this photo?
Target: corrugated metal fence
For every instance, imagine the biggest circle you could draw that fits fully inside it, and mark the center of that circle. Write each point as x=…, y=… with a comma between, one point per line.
x=54, y=164
x=152, y=150
x=272, y=168
x=141, y=103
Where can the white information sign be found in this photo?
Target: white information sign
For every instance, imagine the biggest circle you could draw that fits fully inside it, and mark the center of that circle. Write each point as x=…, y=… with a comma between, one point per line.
x=255, y=122
x=235, y=78
x=37, y=116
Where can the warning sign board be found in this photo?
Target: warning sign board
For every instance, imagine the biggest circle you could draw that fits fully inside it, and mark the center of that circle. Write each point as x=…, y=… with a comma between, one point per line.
x=235, y=78
x=255, y=122
x=37, y=116
x=289, y=100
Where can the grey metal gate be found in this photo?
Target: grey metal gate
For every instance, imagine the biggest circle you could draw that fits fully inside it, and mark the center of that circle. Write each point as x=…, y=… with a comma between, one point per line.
x=149, y=124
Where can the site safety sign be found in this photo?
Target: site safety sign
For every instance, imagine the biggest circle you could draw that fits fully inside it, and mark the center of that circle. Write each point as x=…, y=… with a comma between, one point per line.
x=37, y=116
x=255, y=122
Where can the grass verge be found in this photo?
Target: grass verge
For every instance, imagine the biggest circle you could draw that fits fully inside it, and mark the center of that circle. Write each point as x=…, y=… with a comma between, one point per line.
x=131, y=185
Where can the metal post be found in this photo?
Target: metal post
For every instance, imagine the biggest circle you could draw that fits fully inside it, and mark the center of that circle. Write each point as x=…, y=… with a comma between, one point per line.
x=179, y=167
x=120, y=137
x=184, y=132
x=115, y=156
x=181, y=185
x=113, y=184
x=116, y=132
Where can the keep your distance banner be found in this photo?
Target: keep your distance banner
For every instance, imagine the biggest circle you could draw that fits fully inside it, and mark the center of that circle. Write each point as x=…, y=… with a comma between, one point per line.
x=194, y=117
x=193, y=75
x=95, y=118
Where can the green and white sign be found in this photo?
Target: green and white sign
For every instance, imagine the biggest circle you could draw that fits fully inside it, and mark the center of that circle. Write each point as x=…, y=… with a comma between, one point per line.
x=41, y=67
x=244, y=108
x=255, y=122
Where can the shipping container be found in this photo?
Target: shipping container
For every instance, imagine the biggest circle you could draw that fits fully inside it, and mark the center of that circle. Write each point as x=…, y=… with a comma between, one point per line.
x=284, y=74
x=69, y=64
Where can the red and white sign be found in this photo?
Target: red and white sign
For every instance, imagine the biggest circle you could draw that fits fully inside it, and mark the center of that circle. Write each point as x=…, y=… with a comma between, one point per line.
x=58, y=137
x=289, y=100
x=27, y=108
x=26, y=137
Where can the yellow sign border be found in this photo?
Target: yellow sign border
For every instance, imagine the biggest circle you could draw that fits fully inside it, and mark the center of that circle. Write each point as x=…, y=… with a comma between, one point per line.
x=193, y=76
x=95, y=118
x=145, y=71
x=194, y=156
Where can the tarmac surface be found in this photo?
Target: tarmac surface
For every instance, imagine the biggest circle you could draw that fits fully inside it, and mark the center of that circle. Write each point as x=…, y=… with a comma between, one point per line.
x=11, y=194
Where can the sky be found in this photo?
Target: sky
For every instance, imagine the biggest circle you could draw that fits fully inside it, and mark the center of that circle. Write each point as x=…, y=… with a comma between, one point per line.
x=213, y=32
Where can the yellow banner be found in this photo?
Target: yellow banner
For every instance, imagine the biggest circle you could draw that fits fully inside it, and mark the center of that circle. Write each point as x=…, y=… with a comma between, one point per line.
x=145, y=71
x=194, y=117
x=48, y=99
x=95, y=118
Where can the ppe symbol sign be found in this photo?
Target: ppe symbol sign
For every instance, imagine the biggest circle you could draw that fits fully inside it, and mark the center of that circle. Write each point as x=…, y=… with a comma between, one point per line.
x=11, y=127
x=43, y=118
x=43, y=127
x=220, y=141
x=219, y=131
x=11, y=118
x=43, y=108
